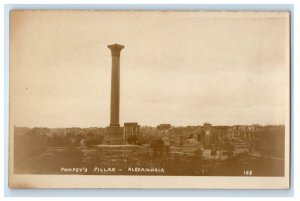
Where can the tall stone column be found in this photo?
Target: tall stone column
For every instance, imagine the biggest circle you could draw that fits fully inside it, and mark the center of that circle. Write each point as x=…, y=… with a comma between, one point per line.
x=114, y=133
x=115, y=84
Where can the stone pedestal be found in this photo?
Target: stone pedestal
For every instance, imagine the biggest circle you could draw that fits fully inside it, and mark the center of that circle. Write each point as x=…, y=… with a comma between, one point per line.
x=114, y=135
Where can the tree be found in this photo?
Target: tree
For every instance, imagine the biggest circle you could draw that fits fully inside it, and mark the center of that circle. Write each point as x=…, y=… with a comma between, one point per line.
x=229, y=148
x=157, y=146
x=28, y=148
x=132, y=139
x=93, y=140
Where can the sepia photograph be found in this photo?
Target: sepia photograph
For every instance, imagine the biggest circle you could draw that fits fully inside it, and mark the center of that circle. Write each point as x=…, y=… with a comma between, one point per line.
x=149, y=99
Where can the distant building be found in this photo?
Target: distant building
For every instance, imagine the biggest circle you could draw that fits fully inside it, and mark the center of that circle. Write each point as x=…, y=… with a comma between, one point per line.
x=207, y=135
x=207, y=125
x=245, y=132
x=163, y=126
x=131, y=132
x=191, y=145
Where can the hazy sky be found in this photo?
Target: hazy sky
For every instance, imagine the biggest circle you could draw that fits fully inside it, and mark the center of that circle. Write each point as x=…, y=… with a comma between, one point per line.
x=181, y=68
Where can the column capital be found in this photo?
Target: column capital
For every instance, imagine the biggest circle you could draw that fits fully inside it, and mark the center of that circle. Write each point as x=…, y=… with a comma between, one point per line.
x=115, y=49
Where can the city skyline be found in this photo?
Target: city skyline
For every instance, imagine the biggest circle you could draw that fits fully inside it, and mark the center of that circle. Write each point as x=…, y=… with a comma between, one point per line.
x=153, y=126
x=170, y=71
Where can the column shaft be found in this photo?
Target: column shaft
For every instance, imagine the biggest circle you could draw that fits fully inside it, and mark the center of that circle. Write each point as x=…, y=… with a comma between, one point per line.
x=115, y=92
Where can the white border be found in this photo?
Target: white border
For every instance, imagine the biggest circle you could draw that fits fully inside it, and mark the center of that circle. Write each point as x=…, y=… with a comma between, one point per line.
x=296, y=63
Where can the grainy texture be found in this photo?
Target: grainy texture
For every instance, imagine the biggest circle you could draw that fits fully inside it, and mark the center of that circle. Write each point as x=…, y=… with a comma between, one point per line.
x=178, y=70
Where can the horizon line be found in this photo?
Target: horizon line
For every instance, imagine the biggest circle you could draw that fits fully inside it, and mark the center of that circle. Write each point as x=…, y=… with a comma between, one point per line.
x=152, y=125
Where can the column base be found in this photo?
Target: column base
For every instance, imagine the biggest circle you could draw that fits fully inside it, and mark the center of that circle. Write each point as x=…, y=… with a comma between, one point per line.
x=114, y=136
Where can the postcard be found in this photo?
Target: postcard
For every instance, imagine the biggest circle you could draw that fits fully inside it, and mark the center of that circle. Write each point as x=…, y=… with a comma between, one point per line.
x=149, y=99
